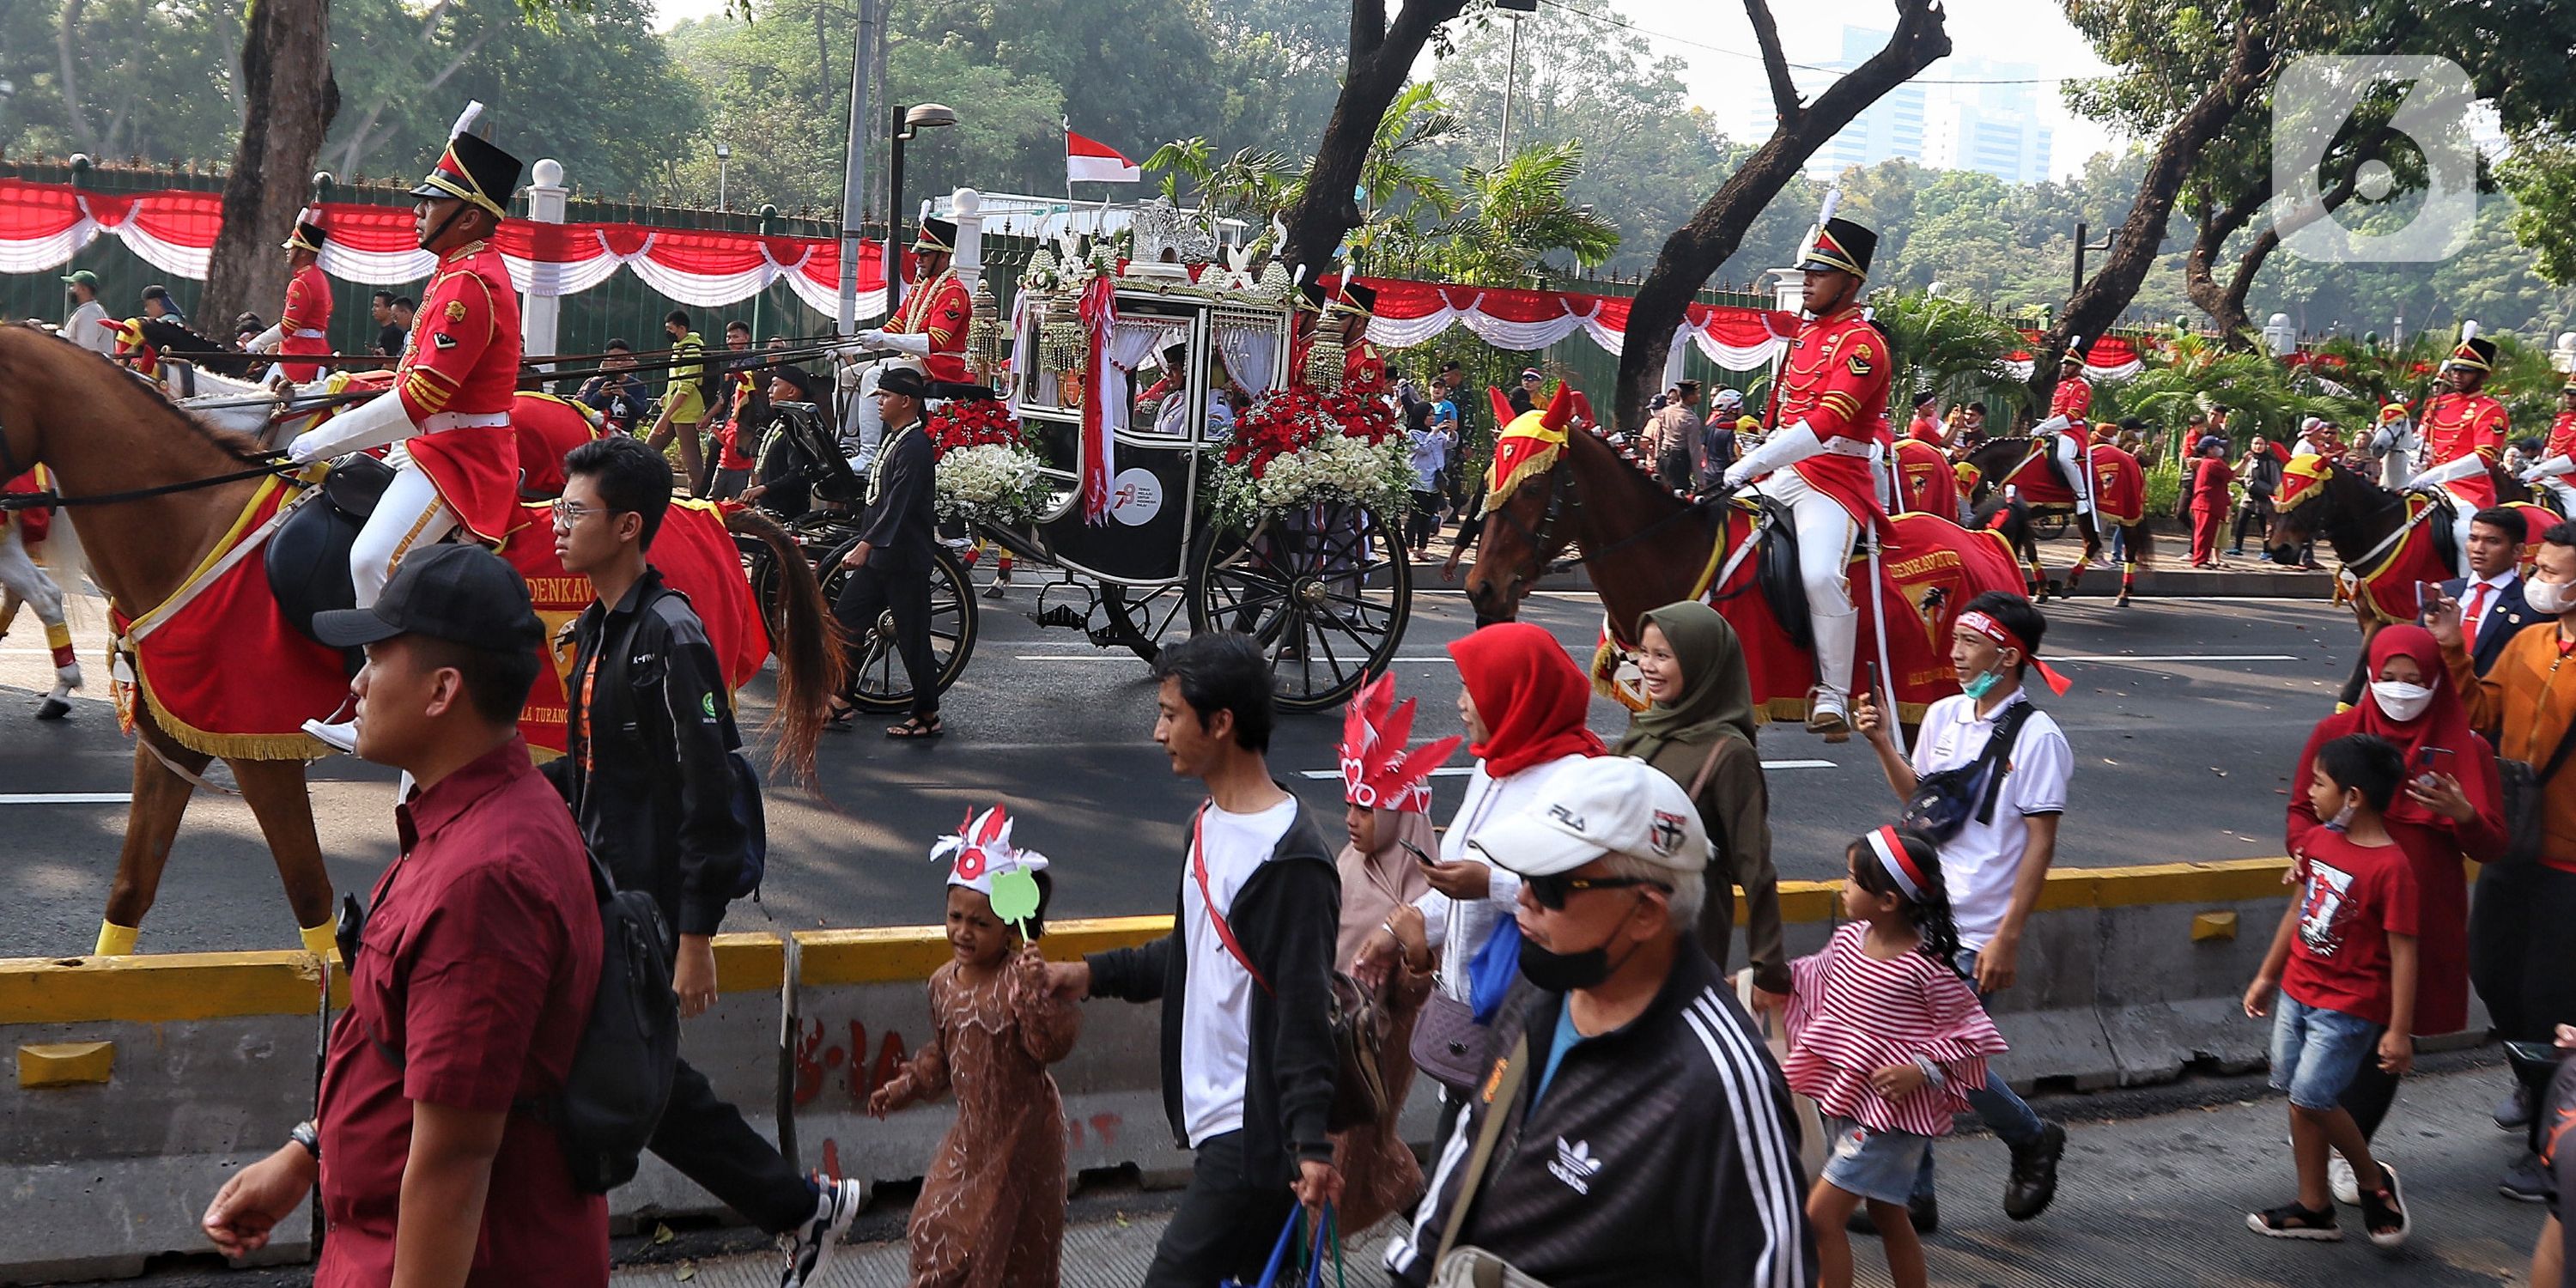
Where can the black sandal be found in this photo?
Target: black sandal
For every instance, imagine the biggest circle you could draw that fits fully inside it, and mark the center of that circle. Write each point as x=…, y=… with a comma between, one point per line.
x=2291, y=1221
x=841, y=719
x=916, y=727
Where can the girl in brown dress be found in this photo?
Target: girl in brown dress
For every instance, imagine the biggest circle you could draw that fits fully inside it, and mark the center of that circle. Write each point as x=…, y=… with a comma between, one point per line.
x=1386, y=791
x=991, y=1212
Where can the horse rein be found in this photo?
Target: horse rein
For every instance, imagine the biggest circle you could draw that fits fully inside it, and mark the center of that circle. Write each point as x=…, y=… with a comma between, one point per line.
x=10, y=468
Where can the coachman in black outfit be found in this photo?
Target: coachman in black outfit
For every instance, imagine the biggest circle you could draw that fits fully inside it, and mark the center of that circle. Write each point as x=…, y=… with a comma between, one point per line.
x=890, y=567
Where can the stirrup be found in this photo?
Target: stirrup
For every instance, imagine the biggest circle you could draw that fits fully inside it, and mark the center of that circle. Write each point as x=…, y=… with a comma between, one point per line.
x=1829, y=713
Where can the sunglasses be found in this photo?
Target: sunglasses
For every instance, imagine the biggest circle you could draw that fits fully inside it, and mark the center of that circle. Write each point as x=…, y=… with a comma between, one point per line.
x=1552, y=891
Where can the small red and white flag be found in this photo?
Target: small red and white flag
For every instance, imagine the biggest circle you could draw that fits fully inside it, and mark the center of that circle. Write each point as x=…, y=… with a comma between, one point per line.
x=1091, y=161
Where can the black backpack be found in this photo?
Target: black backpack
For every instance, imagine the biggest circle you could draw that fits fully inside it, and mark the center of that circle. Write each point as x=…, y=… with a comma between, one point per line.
x=612, y=1098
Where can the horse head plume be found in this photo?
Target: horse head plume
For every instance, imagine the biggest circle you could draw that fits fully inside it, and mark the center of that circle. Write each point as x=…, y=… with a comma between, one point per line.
x=1503, y=412
x=1560, y=408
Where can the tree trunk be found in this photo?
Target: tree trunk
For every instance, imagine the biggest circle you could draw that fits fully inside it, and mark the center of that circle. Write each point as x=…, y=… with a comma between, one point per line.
x=1381, y=60
x=1697, y=248
x=2101, y=299
x=289, y=99
x=2225, y=302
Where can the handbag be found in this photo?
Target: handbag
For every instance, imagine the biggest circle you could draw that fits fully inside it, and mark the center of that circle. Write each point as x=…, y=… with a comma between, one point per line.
x=2525, y=797
x=1358, y=1025
x=1811, y=1121
x=1448, y=1043
x=1943, y=801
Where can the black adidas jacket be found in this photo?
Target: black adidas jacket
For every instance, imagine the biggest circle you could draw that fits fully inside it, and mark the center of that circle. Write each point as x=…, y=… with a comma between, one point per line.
x=1664, y=1155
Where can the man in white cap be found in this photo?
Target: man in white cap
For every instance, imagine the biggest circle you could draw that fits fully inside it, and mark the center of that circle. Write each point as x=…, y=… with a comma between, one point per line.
x=1634, y=1084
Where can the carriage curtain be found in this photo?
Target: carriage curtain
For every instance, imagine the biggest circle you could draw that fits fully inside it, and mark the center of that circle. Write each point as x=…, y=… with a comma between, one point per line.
x=42, y=225
x=1250, y=354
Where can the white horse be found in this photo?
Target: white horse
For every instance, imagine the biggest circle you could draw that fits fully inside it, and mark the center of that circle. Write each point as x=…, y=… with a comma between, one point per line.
x=23, y=581
x=2398, y=448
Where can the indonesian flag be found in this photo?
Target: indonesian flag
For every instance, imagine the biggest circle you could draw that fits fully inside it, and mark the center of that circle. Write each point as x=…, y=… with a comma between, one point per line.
x=1090, y=161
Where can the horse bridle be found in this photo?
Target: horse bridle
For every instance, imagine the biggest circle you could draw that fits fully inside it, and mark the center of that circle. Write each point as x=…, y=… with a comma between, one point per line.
x=1563, y=498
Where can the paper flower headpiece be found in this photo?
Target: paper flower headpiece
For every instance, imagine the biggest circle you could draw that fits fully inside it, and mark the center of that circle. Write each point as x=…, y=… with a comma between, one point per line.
x=980, y=857
x=1378, y=772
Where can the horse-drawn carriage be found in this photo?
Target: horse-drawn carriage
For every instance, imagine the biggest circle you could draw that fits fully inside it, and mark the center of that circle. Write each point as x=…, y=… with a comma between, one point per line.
x=1160, y=434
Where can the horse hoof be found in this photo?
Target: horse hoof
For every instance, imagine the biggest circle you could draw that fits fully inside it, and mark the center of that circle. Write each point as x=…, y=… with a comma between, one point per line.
x=53, y=709
x=2122, y=601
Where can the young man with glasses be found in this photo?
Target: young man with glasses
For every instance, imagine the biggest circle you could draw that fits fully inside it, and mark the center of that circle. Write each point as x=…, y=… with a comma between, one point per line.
x=1656, y=1144
x=648, y=769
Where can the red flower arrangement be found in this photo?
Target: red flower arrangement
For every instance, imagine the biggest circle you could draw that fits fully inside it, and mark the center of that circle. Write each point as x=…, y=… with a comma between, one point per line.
x=1291, y=419
x=973, y=423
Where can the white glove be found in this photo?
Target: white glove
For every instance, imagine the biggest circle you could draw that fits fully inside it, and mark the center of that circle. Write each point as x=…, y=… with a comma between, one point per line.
x=2550, y=468
x=1782, y=449
x=2052, y=425
x=377, y=422
x=870, y=338
x=268, y=340
x=912, y=342
x=2452, y=471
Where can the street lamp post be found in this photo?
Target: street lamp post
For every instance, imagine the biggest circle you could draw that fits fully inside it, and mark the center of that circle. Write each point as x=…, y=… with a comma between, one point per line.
x=723, y=155
x=906, y=122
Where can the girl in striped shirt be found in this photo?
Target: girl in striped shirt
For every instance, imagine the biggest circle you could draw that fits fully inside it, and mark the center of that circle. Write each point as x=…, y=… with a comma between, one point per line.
x=1886, y=1037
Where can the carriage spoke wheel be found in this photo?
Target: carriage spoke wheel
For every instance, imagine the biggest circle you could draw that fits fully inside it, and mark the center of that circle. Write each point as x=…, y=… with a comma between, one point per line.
x=1138, y=618
x=1324, y=591
x=878, y=681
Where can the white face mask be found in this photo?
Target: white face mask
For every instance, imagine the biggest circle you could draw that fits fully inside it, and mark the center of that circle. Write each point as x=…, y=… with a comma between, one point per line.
x=2399, y=700
x=2549, y=598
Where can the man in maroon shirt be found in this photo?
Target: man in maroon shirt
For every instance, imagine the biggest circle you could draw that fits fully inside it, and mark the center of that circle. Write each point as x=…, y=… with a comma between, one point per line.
x=470, y=979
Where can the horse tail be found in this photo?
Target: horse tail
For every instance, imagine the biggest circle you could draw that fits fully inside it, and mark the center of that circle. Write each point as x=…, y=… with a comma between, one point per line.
x=813, y=655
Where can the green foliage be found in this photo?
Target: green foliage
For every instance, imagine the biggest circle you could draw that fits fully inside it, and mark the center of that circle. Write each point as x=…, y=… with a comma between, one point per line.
x=154, y=79
x=1517, y=215
x=1950, y=346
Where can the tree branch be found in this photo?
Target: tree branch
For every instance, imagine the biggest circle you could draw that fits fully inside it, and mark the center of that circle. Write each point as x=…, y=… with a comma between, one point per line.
x=1775, y=63
x=1368, y=27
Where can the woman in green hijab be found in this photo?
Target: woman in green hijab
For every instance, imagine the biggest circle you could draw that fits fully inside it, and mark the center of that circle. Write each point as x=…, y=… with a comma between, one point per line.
x=1699, y=731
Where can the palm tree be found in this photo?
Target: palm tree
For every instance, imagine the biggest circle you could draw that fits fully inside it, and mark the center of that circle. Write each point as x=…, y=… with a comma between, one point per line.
x=1952, y=347
x=1398, y=186
x=1181, y=159
x=1517, y=215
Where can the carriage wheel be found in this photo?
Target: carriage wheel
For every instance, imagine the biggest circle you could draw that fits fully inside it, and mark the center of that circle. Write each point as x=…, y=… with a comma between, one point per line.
x=2049, y=526
x=1325, y=590
x=1139, y=623
x=878, y=682
x=813, y=532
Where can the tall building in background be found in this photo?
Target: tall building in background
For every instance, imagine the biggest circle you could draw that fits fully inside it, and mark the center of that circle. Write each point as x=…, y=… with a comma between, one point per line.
x=1893, y=126
x=1991, y=127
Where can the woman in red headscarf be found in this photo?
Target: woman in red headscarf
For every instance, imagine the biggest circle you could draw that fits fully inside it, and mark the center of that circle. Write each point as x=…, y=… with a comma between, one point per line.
x=2452, y=809
x=1524, y=704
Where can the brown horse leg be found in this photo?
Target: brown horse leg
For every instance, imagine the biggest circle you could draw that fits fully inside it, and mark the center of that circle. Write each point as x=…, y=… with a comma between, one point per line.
x=2352, y=686
x=279, y=799
x=151, y=823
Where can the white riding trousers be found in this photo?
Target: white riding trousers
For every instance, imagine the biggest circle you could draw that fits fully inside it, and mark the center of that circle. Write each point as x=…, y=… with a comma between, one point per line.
x=410, y=515
x=2075, y=464
x=1825, y=531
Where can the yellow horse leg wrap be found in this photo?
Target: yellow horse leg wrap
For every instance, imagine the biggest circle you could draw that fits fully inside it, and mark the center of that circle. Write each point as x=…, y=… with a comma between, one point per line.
x=115, y=940
x=321, y=941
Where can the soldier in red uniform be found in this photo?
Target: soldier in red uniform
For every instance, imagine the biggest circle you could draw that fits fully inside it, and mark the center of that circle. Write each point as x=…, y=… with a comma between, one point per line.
x=2464, y=433
x=304, y=325
x=448, y=415
x=2558, y=455
x=931, y=323
x=2071, y=448
x=1829, y=404
x=1348, y=313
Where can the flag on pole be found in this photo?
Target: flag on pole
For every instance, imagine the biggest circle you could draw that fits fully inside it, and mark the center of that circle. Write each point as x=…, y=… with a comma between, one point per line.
x=1090, y=161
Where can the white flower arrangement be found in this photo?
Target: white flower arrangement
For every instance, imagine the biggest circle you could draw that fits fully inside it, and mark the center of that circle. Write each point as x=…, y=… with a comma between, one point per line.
x=990, y=483
x=1335, y=467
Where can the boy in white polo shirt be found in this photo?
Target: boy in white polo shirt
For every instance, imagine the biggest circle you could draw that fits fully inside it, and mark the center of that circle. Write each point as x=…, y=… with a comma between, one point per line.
x=1996, y=862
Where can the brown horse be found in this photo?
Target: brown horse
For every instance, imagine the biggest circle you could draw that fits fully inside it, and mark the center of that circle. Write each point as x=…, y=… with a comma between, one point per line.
x=2027, y=468
x=1644, y=547
x=104, y=431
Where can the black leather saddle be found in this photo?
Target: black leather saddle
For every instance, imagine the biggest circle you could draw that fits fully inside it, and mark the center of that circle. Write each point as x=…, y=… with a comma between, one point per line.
x=1775, y=568
x=308, y=556
x=2442, y=527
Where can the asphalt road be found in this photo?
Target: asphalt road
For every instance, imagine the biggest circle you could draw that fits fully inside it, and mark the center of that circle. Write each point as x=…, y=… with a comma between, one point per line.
x=2186, y=719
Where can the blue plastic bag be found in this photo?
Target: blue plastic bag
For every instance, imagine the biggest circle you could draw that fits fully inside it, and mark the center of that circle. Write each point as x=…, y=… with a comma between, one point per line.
x=1313, y=1256
x=1491, y=971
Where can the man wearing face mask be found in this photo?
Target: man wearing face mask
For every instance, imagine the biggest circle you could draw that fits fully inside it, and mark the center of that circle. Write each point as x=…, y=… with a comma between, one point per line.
x=1652, y=1138
x=2520, y=956
x=1996, y=863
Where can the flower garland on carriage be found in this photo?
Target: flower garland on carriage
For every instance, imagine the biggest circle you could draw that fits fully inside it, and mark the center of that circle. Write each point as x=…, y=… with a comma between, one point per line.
x=1304, y=446
x=985, y=470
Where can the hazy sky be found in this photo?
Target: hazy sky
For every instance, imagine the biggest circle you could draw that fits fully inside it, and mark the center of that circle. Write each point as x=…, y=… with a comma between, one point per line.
x=1715, y=40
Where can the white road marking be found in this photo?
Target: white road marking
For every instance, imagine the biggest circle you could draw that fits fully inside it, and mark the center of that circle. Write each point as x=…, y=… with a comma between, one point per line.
x=66, y=798
x=1461, y=771
x=2122, y=659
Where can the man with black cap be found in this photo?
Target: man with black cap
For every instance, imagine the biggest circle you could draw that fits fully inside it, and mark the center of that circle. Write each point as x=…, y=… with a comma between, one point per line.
x=456, y=463
x=470, y=975
x=2464, y=432
x=1826, y=410
x=890, y=565
x=304, y=325
x=1675, y=439
x=87, y=326
x=1647, y=1138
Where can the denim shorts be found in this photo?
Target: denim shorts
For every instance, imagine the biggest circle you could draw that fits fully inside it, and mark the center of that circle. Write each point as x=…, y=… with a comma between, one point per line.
x=1873, y=1164
x=2316, y=1052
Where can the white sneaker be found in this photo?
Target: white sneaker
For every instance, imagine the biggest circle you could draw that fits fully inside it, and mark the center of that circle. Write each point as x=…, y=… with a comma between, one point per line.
x=1829, y=713
x=342, y=737
x=812, y=1245
x=2347, y=1191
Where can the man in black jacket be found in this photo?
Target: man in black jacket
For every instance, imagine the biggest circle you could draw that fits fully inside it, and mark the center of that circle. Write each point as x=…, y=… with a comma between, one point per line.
x=1647, y=1140
x=1245, y=977
x=649, y=771
x=890, y=567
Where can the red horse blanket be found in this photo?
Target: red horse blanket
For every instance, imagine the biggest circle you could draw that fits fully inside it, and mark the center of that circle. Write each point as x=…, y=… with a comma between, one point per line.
x=1929, y=485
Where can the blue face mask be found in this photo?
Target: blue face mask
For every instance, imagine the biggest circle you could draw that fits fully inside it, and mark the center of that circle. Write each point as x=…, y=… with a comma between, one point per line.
x=1984, y=684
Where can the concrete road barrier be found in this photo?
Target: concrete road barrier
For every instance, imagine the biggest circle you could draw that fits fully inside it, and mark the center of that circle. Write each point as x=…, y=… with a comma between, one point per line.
x=142, y=1082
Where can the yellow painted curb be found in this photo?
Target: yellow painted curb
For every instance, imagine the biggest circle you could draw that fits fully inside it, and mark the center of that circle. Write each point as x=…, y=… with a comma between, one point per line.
x=205, y=986
x=65, y=1064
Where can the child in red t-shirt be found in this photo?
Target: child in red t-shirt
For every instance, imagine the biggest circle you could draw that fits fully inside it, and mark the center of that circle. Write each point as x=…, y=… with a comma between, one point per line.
x=2344, y=964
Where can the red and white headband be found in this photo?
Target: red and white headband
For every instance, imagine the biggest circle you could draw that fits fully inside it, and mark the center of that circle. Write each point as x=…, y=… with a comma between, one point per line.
x=1890, y=849
x=1987, y=626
